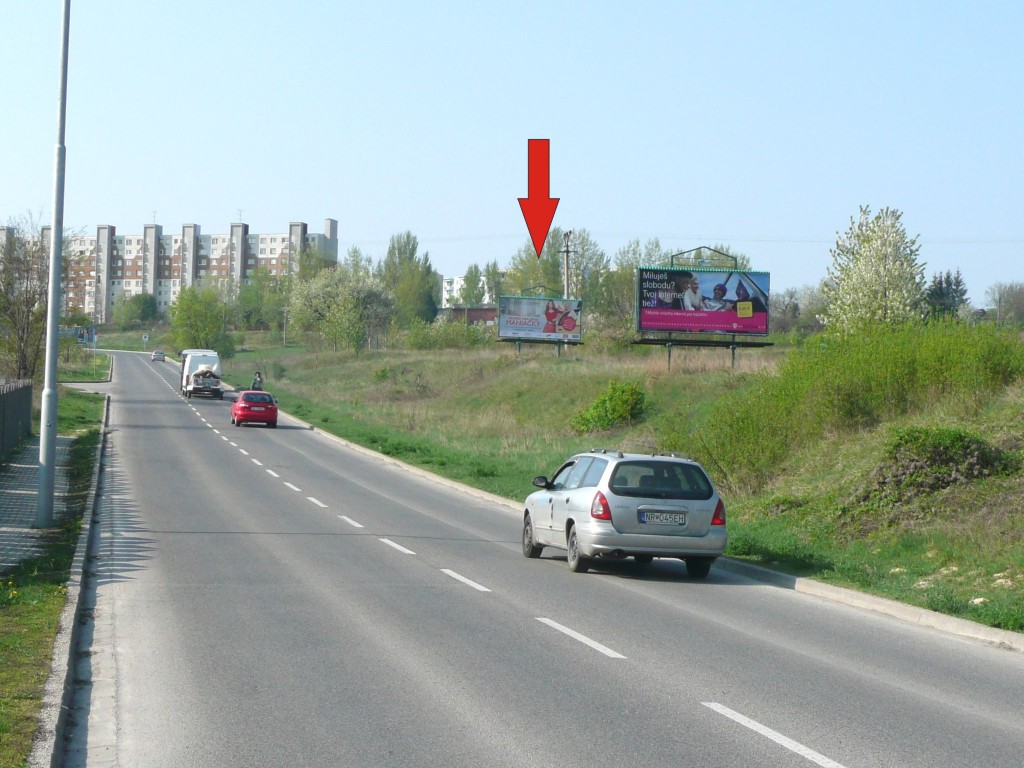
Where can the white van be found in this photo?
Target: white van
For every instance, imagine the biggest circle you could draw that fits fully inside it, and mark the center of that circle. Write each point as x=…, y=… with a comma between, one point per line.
x=200, y=373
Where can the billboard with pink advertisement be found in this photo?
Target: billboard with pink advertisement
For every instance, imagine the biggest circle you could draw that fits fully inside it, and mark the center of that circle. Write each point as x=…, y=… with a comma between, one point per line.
x=528, y=318
x=702, y=301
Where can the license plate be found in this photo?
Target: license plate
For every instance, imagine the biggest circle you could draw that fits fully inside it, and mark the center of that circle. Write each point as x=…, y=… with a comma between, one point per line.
x=663, y=518
x=258, y=408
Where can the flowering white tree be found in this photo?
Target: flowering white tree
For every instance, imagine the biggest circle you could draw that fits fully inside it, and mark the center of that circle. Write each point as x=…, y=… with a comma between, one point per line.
x=875, y=276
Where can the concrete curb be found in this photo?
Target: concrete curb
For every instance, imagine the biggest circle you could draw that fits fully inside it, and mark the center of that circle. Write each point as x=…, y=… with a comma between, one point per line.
x=59, y=693
x=909, y=613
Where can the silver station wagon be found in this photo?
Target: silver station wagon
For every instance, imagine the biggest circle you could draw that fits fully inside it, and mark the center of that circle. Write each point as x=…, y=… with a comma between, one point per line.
x=609, y=504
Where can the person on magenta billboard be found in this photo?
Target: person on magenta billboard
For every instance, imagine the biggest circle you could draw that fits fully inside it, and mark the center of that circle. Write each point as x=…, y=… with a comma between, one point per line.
x=717, y=302
x=691, y=297
x=551, y=313
x=687, y=292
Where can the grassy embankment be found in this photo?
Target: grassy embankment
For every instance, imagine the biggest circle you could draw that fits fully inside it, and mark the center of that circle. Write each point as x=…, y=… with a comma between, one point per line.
x=33, y=595
x=888, y=462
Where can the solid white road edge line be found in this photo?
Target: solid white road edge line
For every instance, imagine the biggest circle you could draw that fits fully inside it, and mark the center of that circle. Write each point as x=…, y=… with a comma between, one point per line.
x=350, y=521
x=775, y=736
x=582, y=638
x=464, y=580
x=399, y=547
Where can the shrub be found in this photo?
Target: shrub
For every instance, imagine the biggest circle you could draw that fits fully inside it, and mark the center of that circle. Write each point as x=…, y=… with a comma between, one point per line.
x=620, y=404
x=925, y=460
x=450, y=334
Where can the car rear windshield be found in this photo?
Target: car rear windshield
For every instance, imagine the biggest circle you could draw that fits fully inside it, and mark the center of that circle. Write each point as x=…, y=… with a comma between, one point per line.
x=660, y=480
x=257, y=397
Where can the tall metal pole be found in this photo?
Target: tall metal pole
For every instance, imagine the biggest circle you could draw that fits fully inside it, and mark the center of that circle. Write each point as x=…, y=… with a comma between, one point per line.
x=48, y=419
x=567, y=236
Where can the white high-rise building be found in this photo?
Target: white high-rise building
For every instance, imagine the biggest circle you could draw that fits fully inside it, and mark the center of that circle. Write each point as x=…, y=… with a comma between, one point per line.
x=107, y=268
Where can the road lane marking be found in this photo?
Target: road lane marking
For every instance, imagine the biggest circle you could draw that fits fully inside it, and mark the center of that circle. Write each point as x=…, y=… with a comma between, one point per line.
x=272, y=473
x=294, y=487
x=399, y=547
x=350, y=521
x=257, y=462
x=317, y=502
x=582, y=638
x=464, y=580
x=243, y=451
x=775, y=736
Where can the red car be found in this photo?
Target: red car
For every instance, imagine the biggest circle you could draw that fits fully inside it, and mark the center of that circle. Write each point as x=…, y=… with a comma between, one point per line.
x=254, y=406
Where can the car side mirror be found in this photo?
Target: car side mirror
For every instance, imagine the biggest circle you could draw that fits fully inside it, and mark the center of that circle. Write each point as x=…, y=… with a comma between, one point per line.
x=541, y=482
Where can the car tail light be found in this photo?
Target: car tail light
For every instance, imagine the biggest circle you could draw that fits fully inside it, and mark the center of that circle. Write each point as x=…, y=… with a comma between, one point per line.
x=599, y=507
x=719, y=517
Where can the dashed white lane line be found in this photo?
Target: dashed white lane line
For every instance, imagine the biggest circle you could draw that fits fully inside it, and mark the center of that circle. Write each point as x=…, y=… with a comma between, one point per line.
x=464, y=580
x=257, y=462
x=272, y=473
x=243, y=451
x=317, y=502
x=582, y=638
x=294, y=487
x=350, y=521
x=775, y=736
x=399, y=547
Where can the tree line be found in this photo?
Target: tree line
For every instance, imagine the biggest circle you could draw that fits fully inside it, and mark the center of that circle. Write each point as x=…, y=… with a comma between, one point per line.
x=875, y=276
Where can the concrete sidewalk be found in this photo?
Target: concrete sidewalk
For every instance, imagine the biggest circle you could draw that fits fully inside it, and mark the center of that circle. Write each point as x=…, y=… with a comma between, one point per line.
x=20, y=540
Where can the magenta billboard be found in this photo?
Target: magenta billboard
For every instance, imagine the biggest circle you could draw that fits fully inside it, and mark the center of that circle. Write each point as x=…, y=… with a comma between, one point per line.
x=702, y=301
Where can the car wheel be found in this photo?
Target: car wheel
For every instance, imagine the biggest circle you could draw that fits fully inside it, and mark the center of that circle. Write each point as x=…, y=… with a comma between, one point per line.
x=644, y=559
x=698, y=567
x=530, y=549
x=577, y=562
x=238, y=422
x=273, y=424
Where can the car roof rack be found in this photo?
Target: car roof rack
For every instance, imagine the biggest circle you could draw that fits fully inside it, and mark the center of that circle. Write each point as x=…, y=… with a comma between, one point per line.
x=674, y=455
x=618, y=453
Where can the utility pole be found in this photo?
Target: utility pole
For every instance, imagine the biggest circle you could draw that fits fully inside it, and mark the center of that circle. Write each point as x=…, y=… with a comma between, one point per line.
x=566, y=251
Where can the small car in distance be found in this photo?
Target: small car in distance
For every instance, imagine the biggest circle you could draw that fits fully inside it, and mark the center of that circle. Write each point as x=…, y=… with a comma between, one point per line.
x=610, y=504
x=254, y=407
x=157, y=356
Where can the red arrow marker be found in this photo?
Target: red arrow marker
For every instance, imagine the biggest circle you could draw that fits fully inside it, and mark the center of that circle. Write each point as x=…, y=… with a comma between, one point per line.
x=539, y=207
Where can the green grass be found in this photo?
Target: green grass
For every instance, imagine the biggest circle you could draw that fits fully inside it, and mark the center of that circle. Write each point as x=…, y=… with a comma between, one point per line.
x=83, y=364
x=33, y=595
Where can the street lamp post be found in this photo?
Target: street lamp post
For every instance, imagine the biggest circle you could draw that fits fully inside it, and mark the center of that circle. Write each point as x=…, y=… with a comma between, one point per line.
x=48, y=413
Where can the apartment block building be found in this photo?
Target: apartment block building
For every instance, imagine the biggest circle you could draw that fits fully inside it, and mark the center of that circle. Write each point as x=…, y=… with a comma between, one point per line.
x=451, y=291
x=107, y=268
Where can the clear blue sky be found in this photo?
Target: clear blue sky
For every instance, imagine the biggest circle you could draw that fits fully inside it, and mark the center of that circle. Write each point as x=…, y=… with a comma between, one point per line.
x=762, y=126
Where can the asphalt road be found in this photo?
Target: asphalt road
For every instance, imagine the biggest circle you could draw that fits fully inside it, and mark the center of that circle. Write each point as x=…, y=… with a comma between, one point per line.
x=275, y=598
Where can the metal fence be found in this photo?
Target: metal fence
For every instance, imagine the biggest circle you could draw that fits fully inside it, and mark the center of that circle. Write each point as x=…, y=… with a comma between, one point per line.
x=15, y=414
